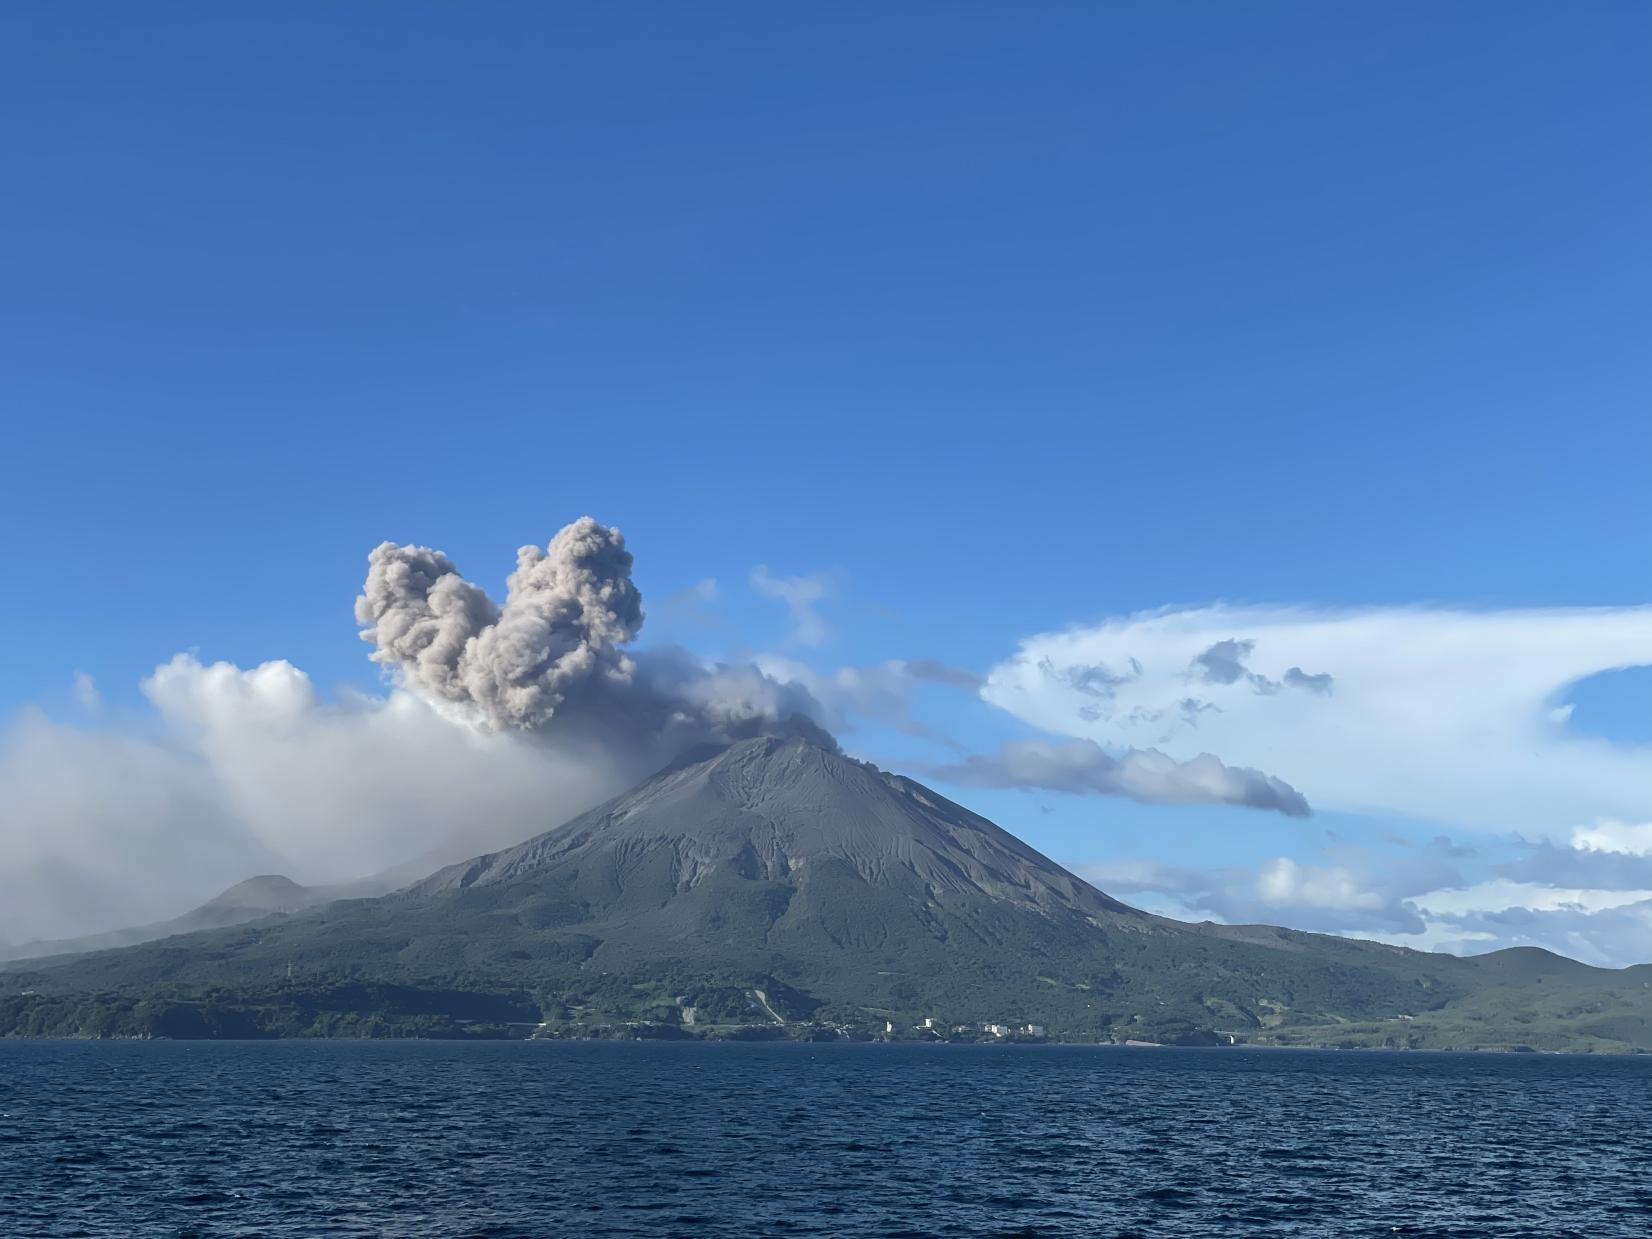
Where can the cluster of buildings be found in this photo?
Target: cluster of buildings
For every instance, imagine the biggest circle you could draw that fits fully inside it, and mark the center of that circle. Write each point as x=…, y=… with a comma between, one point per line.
x=934, y=1027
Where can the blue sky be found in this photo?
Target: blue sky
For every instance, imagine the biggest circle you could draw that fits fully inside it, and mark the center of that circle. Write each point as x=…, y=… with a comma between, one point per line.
x=994, y=323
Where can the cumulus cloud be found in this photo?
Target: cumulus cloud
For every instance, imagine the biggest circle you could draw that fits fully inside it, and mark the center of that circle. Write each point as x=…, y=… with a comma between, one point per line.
x=86, y=692
x=245, y=771
x=801, y=594
x=1284, y=882
x=1353, y=892
x=1439, y=714
x=1559, y=865
x=1607, y=856
x=1081, y=766
x=1609, y=928
x=1622, y=838
x=1614, y=936
x=1501, y=895
x=1588, y=904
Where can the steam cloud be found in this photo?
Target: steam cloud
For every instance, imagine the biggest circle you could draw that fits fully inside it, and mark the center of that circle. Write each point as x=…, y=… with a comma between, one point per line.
x=237, y=772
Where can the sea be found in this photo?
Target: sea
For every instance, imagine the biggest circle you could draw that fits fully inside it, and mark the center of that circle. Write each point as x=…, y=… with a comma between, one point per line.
x=557, y=1138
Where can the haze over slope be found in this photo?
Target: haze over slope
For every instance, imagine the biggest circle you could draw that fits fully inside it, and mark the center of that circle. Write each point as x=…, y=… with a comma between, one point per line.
x=265, y=895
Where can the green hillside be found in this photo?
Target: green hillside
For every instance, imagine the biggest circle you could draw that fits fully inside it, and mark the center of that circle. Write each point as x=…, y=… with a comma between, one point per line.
x=776, y=888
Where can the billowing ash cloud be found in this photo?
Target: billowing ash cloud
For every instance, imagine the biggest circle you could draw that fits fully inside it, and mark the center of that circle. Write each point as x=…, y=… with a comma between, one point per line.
x=552, y=658
x=1082, y=766
x=568, y=610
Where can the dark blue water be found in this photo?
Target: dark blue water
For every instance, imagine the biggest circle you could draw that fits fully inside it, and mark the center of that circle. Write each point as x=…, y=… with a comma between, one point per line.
x=552, y=1139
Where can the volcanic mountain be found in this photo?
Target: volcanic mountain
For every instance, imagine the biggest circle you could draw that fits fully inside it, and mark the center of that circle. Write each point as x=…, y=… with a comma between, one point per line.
x=251, y=900
x=776, y=884
x=785, y=811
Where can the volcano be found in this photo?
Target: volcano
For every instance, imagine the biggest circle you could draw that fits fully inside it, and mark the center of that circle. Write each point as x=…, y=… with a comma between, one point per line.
x=777, y=887
x=786, y=812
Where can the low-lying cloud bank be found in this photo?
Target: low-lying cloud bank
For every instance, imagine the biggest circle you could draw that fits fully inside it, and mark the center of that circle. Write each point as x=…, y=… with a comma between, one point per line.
x=1453, y=716
x=1580, y=899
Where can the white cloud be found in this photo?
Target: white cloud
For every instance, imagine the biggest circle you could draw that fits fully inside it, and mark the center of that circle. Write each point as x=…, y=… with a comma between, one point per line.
x=1611, y=929
x=1441, y=714
x=1623, y=838
x=1503, y=895
x=247, y=771
x=1355, y=893
x=1286, y=884
x=86, y=692
x=1420, y=901
x=800, y=594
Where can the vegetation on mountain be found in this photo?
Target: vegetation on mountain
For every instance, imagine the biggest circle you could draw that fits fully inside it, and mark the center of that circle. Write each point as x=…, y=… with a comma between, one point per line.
x=776, y=888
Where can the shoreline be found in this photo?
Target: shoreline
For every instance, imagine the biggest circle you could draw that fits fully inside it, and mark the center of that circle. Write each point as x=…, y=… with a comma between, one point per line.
x=840, y=1043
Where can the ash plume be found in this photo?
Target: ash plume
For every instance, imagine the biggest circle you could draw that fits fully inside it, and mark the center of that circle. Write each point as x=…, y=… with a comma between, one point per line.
x=551, y=660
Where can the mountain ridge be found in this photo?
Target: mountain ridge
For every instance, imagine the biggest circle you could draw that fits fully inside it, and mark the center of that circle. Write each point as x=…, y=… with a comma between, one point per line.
x=248, y=900
x=777, y=880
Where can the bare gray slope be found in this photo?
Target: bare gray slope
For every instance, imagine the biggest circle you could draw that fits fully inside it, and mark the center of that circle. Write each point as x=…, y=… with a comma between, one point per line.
x=767, y=806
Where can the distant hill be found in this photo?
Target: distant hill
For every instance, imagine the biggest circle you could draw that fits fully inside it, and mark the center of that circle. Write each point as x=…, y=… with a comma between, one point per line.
x=775, y=887
x=267, y=895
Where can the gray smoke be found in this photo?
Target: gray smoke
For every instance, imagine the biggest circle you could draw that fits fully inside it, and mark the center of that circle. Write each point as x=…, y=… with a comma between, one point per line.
x=567, y=611
x=551, y=660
